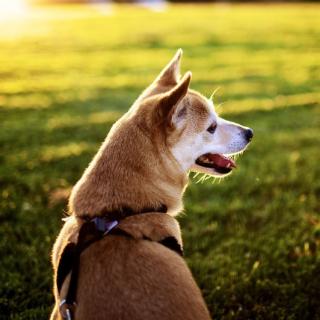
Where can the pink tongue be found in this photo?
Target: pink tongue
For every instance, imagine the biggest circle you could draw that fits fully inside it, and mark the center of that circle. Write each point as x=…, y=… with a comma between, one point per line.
x=222, y=161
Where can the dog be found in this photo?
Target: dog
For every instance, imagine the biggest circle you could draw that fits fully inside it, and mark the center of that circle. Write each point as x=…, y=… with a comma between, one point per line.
x=131, y=267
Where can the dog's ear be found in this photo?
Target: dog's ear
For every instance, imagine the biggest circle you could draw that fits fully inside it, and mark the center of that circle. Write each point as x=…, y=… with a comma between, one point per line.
x=167, y=78
x=170, y=74
x=169, y=103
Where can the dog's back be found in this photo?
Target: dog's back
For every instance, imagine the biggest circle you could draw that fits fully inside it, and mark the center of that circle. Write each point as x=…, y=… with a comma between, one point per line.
x=136, y=279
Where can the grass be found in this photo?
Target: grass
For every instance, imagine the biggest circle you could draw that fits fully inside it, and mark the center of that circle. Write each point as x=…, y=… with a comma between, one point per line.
x=66, y=74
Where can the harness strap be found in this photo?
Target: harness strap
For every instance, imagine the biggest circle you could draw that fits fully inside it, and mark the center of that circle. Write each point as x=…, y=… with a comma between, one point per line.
x=173, y=244
x=169, y=242
x=90, y=232
x=70, y=261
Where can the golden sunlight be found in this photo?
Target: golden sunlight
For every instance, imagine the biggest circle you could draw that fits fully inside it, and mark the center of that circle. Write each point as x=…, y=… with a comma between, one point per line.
x=10, y=9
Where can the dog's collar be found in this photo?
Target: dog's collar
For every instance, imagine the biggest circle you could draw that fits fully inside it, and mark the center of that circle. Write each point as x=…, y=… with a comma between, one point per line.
x=110, y=219
x=122, y=213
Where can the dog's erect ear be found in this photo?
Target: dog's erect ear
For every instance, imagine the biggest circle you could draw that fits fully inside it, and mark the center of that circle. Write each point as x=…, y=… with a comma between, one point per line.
x=174, y=96
x=168, y=77
x=169, y=103
x=170, y=74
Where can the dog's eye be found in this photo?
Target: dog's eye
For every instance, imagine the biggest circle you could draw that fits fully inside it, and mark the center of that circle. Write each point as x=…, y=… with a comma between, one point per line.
x=212, y=128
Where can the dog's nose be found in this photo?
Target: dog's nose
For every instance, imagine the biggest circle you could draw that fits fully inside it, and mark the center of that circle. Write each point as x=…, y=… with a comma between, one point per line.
x=248, y=134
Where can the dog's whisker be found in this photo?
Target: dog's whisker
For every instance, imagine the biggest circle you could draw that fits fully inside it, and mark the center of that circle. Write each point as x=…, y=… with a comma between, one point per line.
x=214, y=92
x=203, y=178
x=218, y=106
x=195, y=175
x=199, y=180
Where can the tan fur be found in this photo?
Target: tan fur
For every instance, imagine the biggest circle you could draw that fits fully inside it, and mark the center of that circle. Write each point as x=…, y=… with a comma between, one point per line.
x=124, y=278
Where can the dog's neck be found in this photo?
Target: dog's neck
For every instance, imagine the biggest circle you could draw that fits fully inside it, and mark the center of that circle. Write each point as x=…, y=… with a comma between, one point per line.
x=129, y=172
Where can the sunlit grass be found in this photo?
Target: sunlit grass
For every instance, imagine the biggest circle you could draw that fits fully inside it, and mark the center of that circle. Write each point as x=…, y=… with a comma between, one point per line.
x=67, y=73
x=13, y=9
x=101, y=118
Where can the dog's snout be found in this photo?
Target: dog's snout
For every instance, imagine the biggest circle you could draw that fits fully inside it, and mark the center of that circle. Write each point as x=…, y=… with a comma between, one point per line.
x=248, y=134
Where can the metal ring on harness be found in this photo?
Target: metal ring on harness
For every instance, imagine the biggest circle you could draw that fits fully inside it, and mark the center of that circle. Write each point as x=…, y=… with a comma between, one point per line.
x=66, y=309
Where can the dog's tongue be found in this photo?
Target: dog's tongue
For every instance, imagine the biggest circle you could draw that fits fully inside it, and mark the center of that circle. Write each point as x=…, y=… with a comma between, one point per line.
x=222, y=161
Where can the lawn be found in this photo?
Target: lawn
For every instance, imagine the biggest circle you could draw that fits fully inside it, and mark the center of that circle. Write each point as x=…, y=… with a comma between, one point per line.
x=252, y=240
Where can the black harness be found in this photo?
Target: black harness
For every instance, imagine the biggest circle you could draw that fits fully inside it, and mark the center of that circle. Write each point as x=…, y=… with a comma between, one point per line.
x=93, y=230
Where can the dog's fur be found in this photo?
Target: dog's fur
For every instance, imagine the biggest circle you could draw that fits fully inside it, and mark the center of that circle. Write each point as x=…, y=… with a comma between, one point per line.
x=144, y=163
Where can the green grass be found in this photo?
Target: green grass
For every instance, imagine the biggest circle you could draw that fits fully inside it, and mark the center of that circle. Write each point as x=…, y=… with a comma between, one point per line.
x=66, y=74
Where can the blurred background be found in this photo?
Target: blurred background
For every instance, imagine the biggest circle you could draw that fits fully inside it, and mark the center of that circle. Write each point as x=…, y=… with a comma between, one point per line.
x=69, y=70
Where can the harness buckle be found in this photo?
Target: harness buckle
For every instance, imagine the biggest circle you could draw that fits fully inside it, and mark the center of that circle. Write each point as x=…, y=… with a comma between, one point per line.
x=103, y=225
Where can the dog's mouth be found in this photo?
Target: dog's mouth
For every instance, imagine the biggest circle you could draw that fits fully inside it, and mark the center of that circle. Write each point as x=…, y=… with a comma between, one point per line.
x=219, y=163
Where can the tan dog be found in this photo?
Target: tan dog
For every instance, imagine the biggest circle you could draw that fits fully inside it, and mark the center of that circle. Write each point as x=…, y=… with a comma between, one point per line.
x=144, y=163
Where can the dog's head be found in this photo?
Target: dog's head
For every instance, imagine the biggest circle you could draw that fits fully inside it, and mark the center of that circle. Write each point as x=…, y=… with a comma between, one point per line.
x=196, y=136
x=144, y=161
